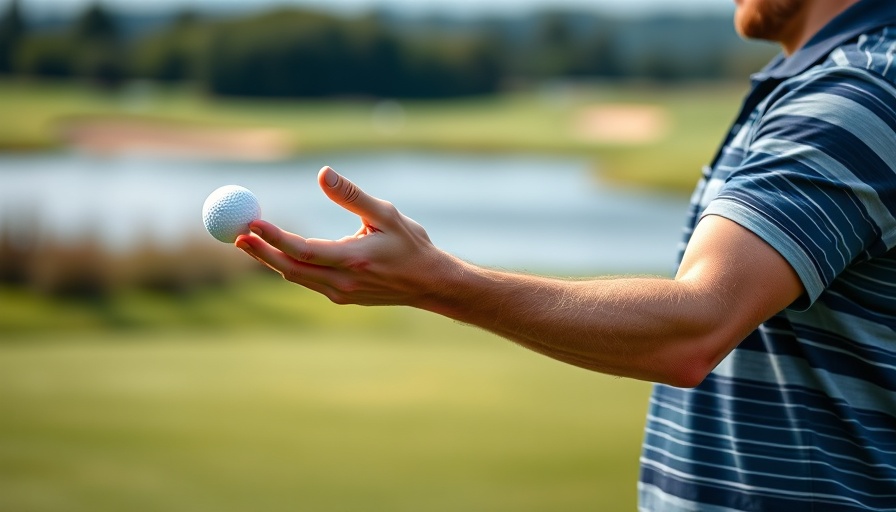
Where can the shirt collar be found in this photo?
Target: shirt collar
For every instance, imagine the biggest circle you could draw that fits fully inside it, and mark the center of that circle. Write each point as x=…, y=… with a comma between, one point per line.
x=860, y=18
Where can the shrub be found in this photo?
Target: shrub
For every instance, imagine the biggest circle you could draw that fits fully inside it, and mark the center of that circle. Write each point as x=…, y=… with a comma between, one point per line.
x=87, y=270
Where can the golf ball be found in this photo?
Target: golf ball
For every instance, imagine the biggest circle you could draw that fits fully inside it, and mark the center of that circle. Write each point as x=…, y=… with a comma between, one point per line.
x=228, y=211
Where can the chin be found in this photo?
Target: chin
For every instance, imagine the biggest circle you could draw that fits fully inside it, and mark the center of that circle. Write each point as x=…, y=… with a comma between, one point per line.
x=766, y=19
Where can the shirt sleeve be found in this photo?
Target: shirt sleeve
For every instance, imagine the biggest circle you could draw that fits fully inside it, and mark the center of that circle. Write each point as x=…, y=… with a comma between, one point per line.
x=818, y=180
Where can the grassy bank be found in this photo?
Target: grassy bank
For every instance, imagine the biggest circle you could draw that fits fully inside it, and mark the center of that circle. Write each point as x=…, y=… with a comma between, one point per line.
x=543, y=121
x=306, y=407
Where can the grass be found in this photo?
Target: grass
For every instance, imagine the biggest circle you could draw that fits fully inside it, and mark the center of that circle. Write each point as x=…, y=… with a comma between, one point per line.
x=250, y=301
x=260, y=396
x=31, y=114
x=333, y=409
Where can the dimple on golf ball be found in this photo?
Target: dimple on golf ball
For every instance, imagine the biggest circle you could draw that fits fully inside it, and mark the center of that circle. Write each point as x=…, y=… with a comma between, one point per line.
x=228, y=211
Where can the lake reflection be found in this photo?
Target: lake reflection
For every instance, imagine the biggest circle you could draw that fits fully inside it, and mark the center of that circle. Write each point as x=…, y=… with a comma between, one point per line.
x=521, y=212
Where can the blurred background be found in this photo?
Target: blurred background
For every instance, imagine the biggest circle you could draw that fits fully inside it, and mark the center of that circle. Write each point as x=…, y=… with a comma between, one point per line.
x=145, y=366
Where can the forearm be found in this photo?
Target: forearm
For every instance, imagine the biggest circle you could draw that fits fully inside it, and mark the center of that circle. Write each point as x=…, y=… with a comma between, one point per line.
x=653, y=329
x=663, y=330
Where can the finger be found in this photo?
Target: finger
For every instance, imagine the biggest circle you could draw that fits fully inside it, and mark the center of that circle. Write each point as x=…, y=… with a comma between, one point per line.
x=313, y=277
x=264, y=253
x=349, y=196
x=305, y=250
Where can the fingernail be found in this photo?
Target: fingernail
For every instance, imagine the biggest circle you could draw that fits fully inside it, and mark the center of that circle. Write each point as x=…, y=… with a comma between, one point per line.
x=242, y=245
x=255, y=229
x=331, y=177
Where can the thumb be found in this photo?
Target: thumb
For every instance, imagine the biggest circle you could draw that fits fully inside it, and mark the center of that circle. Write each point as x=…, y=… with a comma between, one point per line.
x=349, y=196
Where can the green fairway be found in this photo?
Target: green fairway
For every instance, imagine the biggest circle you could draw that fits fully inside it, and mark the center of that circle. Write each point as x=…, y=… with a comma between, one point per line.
x=435, y=417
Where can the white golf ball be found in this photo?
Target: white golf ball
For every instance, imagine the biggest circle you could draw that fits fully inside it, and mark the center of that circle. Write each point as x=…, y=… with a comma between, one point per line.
x=228, y=211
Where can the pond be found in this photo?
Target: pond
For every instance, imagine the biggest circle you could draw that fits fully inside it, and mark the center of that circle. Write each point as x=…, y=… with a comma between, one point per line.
x=537, y=213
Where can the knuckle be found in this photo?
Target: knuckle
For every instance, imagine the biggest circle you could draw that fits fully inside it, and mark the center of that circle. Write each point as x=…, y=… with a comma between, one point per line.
x=346, y=288
x=340, y=285
x=357, y=264
x=273, y=237
x=350, y=192
x=292, y=275
x=336, y=297
x=389, y=210
x=304, y=253
x=343, y=292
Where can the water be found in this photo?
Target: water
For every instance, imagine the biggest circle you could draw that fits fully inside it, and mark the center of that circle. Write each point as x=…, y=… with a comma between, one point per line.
x=516, y=212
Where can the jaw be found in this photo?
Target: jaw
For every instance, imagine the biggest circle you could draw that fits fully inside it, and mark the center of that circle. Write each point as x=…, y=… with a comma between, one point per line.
x=790, y=23
x=780, y=21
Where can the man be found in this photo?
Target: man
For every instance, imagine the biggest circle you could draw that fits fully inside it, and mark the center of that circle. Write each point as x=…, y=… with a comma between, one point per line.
x=774, y=347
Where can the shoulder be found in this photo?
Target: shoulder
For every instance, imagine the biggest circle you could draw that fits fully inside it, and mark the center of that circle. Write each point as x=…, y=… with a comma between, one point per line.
x=871, y=52
x=830, y=98
x=860, y=74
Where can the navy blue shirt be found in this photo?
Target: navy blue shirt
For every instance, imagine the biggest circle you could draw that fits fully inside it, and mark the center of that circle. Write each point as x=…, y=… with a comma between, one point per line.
x=802, y=414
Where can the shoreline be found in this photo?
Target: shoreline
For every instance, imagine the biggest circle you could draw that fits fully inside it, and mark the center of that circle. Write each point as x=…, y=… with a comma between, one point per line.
x=109, y=136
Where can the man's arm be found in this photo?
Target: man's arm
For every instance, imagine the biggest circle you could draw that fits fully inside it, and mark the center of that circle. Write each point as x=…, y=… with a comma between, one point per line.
x=663, y=330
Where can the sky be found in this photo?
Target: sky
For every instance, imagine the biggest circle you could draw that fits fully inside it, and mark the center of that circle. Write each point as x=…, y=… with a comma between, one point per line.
x=412, y=7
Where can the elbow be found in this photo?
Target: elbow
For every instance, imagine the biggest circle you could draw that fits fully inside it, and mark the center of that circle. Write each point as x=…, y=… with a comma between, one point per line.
x=687, y=377
x=693, y=360
x=682, y=372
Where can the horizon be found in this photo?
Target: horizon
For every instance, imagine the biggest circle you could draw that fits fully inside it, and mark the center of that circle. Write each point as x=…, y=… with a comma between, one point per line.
x=411, y=8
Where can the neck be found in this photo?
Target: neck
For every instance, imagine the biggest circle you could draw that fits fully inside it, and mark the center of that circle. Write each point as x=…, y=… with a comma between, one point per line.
x=817, y=14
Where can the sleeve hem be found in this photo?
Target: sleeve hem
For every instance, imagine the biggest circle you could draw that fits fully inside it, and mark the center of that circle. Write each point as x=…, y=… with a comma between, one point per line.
x=759, y=224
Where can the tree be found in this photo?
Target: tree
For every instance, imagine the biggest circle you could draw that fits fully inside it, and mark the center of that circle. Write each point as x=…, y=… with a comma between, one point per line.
x=12, y=32
x=303, y=54
x=96, y=25
x=99, y=53
x=173, y=53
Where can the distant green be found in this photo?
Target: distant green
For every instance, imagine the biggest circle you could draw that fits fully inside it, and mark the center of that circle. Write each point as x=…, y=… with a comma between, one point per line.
x=536, y=121
x=329, y=409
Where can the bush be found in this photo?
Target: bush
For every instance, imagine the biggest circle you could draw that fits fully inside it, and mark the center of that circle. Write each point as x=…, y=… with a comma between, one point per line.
x=86, y=270
x=78, y=271
x=49, y=55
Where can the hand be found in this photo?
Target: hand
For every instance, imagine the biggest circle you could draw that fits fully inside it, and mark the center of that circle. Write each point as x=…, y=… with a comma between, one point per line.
x=389, y=261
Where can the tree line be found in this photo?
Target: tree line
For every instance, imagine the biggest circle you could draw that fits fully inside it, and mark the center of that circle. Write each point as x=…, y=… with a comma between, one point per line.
x=301, y=53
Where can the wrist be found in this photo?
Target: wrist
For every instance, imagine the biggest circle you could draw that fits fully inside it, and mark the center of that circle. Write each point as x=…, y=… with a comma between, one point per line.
x=443, y=284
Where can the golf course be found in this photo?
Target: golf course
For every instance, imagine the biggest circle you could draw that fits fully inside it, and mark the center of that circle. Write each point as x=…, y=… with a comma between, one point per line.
x=246, y=393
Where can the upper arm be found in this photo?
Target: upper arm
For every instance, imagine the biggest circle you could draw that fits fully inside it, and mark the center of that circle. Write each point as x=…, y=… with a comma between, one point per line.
x=813, y=193
x=817, y=179
x=741, y=280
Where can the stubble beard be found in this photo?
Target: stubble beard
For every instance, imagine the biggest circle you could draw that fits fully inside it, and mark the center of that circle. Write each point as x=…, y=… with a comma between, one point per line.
x=768, y=20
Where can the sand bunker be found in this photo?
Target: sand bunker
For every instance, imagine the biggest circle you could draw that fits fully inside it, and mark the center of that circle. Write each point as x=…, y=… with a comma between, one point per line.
x=621, y=123
x=173, y=140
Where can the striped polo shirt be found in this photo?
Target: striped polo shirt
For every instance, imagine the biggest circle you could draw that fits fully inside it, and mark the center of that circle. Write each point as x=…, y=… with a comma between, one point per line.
x=801, y=416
